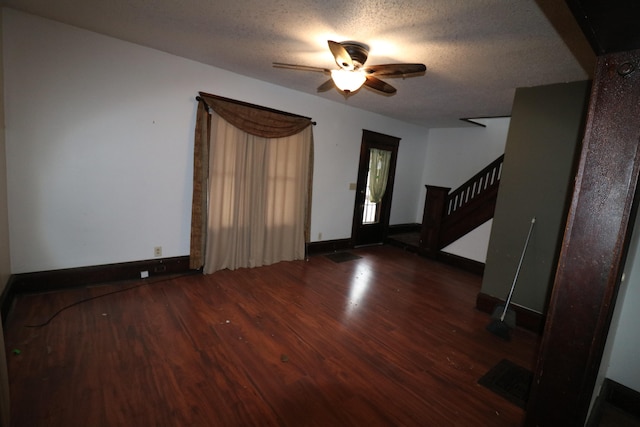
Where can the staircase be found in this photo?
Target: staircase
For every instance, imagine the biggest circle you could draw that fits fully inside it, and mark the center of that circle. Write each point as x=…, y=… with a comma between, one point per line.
x=450, y=215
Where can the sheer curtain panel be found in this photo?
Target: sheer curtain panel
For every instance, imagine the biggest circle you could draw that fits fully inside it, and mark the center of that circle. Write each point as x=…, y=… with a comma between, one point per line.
x=255, y=172
x=378, y=173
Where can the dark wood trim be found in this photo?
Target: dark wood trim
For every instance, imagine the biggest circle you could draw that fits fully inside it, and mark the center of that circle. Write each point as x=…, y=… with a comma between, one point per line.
x=435, y=207
x=472, y=204
x=466, y=219
x=449, y=215
x=472, y=120
x=470, y=265
x=621, y=397
x=368, y=234
x=71, y=277
x=398, y=244
x=327, y=246
x=525, y=318
x=614, y=394
x=609, y=26
x=595, y=416
x=404, y=228
x=6, y=299
x=462, y=263
x=593, y=250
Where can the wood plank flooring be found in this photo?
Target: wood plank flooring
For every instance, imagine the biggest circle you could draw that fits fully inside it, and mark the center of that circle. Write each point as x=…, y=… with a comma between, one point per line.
x=390, y=339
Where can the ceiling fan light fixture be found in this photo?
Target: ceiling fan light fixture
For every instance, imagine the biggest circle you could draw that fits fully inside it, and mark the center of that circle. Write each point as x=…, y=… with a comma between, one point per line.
x=348, y=81
x=350, y=56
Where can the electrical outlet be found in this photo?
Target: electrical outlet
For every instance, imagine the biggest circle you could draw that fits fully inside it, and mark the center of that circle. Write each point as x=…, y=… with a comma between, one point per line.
x=157, y=251
x=144, y=274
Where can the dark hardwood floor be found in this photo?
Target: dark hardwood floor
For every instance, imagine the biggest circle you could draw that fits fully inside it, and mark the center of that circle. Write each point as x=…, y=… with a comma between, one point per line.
x=390, y=339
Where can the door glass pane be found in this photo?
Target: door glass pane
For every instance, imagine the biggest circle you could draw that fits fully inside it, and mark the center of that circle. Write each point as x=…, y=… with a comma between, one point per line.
x=370, y=214
x=376, y=184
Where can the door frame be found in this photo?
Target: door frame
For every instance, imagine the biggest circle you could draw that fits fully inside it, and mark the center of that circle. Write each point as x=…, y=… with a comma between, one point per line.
x=368, y=234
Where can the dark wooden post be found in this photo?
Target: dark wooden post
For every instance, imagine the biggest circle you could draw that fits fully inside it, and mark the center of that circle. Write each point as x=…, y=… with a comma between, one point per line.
x=434, y=210
x=594, y=248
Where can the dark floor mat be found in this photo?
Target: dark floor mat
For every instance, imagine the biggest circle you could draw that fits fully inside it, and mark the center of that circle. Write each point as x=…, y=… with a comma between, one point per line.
x=509, y=381
x=342, y=256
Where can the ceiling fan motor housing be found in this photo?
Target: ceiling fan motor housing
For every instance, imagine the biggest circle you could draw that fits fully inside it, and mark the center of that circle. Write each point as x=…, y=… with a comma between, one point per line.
x=357, y=51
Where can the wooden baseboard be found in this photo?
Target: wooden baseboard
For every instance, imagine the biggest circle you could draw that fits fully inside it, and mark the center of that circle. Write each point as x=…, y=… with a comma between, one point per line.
x=525, y=318
x=404, y=228
x=328, y=246
x=6, y=300
x=466, y=264
x=614, y=394
x=404, y=246
x=67, y=278
x=622, y=397
x=45, y=281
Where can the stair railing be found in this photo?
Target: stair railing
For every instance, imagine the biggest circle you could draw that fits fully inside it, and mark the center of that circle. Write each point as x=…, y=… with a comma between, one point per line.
x=482, y=181
x=444, y=212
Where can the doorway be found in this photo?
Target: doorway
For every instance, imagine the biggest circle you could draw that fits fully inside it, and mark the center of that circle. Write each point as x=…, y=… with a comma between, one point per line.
x=374, y=188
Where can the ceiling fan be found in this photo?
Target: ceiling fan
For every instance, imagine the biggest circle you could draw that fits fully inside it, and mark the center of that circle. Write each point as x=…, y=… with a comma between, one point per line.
x=352, y=74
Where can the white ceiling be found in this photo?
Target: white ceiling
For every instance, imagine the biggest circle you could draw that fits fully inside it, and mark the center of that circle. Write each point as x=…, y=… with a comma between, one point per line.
x=476, y=51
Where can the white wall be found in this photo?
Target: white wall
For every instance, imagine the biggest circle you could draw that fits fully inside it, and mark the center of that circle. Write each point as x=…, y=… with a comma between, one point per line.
x=99, y=147
x=620, y=361
x=453, y=152
x=474, y=245
x=624, y=364
x=455, y=155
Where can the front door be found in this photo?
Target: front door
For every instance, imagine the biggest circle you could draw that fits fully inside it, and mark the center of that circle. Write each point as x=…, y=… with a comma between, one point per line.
x=374, y=188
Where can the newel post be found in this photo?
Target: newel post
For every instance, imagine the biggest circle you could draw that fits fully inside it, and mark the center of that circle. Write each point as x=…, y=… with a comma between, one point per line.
x=435, y=206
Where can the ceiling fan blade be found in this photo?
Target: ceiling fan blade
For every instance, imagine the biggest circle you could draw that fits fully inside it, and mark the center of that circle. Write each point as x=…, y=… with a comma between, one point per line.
x=395, y=70
x=379, y=85
x=342, y=57
x=326, y=86
x=301, y=67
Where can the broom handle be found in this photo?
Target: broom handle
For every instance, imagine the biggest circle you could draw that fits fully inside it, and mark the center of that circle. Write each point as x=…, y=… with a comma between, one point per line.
x=513, y=285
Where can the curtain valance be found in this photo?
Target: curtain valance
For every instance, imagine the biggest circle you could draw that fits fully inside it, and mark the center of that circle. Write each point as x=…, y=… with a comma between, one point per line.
x=259, y=122
x=255, y=120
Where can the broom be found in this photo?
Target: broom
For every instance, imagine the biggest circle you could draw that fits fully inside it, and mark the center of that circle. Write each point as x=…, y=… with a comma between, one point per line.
x=499, y=326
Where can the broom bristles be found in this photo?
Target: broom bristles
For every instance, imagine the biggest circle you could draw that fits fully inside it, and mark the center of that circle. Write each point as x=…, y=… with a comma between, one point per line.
x=500, y=329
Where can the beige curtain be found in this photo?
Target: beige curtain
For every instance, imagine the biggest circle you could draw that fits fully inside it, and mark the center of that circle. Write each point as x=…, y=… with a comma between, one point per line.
x=378, y=173
x=253, y=206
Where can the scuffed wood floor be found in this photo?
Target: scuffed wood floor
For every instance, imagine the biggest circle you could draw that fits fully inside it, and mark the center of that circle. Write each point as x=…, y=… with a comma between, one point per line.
x=391, y=339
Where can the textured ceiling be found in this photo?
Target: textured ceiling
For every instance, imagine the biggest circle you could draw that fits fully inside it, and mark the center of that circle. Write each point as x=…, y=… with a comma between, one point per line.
x=476, y=51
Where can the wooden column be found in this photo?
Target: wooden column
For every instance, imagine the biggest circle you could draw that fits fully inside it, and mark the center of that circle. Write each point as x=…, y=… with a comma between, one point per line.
x=434, y=210
x=594, y=248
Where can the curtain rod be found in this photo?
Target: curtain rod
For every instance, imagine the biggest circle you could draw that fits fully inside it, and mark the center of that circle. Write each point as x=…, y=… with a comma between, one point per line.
x=247, y=104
